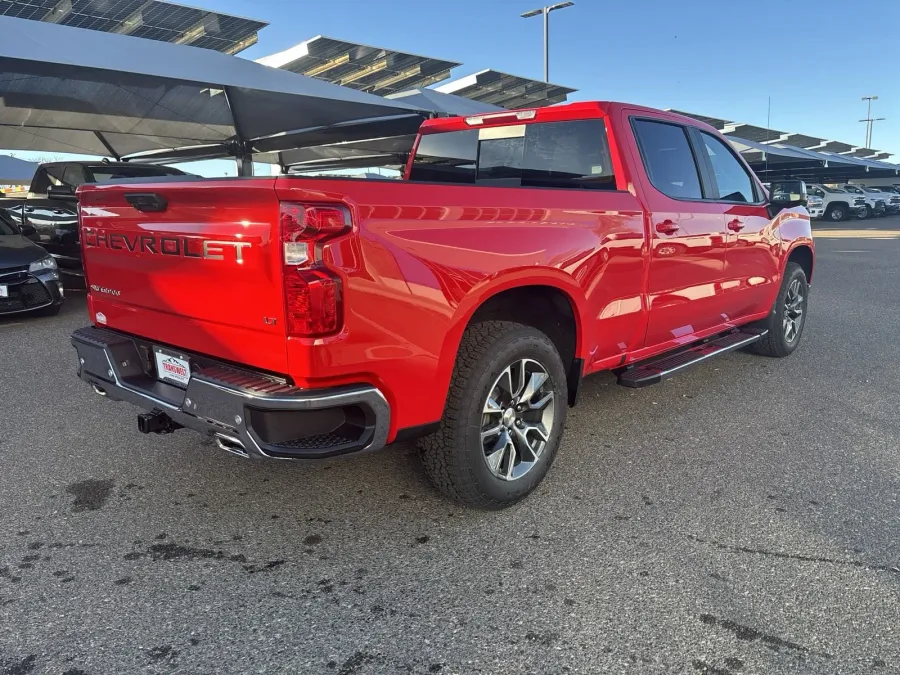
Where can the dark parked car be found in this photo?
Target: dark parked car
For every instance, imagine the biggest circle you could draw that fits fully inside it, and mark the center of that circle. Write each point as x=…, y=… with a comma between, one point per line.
x=29, y=278
x=50, y=206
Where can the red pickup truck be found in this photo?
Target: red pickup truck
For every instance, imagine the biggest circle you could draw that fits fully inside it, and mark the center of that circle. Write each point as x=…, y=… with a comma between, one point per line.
x=303, y=318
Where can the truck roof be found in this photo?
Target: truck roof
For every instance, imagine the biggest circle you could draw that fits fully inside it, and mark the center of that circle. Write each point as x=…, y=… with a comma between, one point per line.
x=556, y=113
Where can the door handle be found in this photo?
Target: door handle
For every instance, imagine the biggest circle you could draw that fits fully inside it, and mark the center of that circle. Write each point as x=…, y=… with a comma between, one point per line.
x=735, y=225
x=667, y=227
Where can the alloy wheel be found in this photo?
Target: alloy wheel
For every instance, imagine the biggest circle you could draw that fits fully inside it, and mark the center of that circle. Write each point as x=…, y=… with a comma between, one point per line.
x=517, y=419
x=793, y=311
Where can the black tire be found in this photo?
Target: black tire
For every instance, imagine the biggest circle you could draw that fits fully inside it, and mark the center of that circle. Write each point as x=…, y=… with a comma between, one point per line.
x=836, y=213
x=869, y=213
x=777, y=342
x=454, y=456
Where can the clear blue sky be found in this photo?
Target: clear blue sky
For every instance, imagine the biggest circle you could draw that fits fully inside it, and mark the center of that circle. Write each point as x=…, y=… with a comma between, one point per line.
x=815, y=58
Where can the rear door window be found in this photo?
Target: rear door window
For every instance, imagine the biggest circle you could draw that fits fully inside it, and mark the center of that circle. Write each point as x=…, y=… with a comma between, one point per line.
x=668, y=159
x=546, y=154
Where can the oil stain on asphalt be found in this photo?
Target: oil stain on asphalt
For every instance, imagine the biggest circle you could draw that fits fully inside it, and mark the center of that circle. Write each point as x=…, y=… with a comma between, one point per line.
x=90, y=494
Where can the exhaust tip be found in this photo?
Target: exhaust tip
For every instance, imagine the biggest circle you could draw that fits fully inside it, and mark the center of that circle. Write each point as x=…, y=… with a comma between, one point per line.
x=98, y=390
x=230, y=444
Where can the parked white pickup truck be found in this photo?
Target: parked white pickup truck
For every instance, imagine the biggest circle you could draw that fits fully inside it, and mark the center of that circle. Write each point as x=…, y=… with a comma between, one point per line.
x=815, y=205
x=838, y=204
x=891, y=196
x=876, y=205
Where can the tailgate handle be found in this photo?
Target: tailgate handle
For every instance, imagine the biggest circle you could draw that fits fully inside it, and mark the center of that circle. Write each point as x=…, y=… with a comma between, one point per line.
x=147, y=201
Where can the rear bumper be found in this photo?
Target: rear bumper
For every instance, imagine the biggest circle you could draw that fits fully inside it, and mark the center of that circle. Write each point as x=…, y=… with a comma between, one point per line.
x=250, y=413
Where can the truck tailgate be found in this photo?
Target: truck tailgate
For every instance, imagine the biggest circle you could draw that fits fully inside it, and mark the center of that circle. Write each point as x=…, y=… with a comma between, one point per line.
x=192, y=264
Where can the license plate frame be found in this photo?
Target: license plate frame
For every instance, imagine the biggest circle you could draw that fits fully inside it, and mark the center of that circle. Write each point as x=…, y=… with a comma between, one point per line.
x=4, y=291
x=172, y=367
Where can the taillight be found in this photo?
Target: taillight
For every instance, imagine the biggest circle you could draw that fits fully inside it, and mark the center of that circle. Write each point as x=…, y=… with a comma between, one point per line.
x=311, y=291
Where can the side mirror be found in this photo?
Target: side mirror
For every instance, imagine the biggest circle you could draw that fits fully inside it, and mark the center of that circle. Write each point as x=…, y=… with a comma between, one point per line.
x=786, y=194
x=27, y=230
x=62, y=192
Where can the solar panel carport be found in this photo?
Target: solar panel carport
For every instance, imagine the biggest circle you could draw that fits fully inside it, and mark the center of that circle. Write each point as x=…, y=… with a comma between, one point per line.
x=768, y=135
x=150, y=19
x=372, y=69
x=776, y=161
x=505, y=90
x=71, y=90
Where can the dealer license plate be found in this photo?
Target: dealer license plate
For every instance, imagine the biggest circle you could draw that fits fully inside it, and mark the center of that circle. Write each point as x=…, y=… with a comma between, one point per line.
x=172, y=368
x=4, y=291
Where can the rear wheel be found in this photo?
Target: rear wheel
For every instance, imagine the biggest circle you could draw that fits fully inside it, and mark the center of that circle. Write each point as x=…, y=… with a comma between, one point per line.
x=504, y=417
x=788, y=316
x=836, y=212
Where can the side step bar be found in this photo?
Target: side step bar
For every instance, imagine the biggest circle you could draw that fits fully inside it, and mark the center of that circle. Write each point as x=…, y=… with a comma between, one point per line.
x=653, y=371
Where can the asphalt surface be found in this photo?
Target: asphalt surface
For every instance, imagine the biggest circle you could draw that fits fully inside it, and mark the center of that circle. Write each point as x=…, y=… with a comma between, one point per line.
x=743, y=517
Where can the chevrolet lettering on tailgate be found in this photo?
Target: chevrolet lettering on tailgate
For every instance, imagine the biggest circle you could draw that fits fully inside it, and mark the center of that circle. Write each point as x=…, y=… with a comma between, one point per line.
x=160, y=245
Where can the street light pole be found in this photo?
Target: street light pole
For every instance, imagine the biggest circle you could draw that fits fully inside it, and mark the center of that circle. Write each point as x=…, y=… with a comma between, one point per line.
x=546, y=45
x=869, y=119
x=545, y=12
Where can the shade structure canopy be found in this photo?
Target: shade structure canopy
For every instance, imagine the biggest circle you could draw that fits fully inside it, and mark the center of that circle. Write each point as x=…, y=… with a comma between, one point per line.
x=66, y=89
x=775, y=161
x=371, y=145
x=442, y=103
x=15, y=171
x=365, y=153
x=755, y=152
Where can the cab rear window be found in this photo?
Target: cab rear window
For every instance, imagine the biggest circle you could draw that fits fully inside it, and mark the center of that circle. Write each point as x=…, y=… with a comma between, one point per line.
x=547, y=154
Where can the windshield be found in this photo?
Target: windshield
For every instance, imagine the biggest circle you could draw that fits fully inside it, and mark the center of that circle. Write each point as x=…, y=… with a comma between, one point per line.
x=830, y=189
x=854, y=190
x=6, y=225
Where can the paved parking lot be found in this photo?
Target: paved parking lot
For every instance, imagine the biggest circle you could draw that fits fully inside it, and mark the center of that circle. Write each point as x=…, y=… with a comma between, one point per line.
x=743, y=517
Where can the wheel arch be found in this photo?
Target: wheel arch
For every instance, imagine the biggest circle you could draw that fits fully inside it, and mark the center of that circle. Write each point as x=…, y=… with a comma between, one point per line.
x=802, y=254
x=547, y=300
